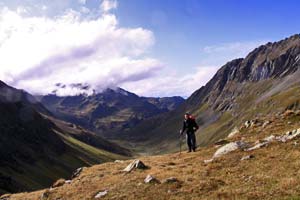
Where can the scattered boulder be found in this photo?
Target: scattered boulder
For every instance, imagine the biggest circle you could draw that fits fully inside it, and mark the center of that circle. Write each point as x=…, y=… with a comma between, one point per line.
x=247, y=124
x=136, y=164
x=170, y=180
x=234, y=132
x=45, y=195
x=59, y=183
x=208, y=161
x=248, y=157
x=264, y=143
x=266, y=123
x=232, y=146
x=288, y=113
x=252, y=123
x=76, y=173
x=5, y=197
x=257, y=146
x=269, y=139
x=151, y=179
x=289, y=135
x=101, y=194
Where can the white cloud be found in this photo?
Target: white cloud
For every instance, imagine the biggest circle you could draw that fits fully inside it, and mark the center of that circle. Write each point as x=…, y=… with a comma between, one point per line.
x=22, y=10
x=172, y=83
x=38, y=52
x=108, y=5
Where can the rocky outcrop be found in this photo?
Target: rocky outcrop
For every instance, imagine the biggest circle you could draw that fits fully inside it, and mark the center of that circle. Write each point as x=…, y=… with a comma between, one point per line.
x=229, y=148
x=232, y=146
x=101, y=194
x=136, y=164
x=76, y=173
x=151, y=179
x=59, y=183
x=234, y=132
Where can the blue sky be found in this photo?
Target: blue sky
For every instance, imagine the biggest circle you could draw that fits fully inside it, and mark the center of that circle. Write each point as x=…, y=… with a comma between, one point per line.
x=151, y=47
x=190, y=25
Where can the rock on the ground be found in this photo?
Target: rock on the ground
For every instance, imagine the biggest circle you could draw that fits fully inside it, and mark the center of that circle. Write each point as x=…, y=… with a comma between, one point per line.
x=45, y=195
x=101, y=194
x=269, y=139
x=208, y=161
x=170, y=180
x=266, y=123
x=247, y=124
x=151, y=179
x=59, y=183
x=234, y=132
x=289, y=135
x=5, y=197
x=232, y=146
x=252, y=123
x=76, y=173
x=248, y=157
x=264, y=143
x=136, y=164
x=257, y=146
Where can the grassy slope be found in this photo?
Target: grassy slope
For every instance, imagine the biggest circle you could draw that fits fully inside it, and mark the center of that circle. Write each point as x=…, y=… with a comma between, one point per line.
x=49, y=167
x=254, y=100
x=226, y=178
x=44, y=172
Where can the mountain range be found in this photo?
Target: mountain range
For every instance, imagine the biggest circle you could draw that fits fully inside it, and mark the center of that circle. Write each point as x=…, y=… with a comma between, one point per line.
x=110, y=112
x=72, y=131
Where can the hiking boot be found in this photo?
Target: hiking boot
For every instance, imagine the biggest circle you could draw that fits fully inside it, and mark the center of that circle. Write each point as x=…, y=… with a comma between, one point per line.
x=189, y=151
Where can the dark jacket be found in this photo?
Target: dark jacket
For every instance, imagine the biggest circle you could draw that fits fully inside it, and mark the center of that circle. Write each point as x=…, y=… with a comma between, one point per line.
x=189, y=125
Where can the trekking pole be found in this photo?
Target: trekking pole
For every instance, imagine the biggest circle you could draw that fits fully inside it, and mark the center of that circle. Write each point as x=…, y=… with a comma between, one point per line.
x=180, y=143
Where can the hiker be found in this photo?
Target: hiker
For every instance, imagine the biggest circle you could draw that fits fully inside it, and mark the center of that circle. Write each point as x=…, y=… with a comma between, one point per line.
x=190, y=126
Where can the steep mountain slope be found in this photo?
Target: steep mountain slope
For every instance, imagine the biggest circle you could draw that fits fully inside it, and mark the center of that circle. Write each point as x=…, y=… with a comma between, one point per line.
x=239, y=174
x=112, y=111
x=34, y=151
x=266, y=81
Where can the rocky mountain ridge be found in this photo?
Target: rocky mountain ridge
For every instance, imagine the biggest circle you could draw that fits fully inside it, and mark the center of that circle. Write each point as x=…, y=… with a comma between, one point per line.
x=110, y=112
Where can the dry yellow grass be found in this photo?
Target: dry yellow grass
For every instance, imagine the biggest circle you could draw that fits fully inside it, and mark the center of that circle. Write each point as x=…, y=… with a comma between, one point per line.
x=273, y=173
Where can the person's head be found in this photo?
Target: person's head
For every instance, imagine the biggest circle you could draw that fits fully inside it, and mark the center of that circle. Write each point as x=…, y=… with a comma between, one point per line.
x=186, y=115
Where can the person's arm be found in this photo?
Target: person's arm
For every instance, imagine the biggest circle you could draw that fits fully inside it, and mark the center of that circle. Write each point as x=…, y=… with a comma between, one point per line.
x=196, y=125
